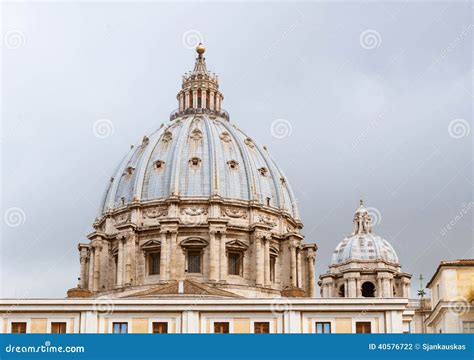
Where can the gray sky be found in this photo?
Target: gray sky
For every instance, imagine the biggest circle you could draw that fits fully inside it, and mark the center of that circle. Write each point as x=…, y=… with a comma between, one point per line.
x=377, y=97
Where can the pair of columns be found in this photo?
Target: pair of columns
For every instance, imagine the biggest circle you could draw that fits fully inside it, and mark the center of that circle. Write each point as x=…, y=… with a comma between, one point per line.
x=168, y=254
x=217, y=256
x=352, y=286
x=384, y=286
x=296, y=265
x=94, y=267
x=262, y=262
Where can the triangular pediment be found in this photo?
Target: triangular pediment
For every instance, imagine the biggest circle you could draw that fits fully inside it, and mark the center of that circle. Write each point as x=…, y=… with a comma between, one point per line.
x=236, y=245
x=151, y=244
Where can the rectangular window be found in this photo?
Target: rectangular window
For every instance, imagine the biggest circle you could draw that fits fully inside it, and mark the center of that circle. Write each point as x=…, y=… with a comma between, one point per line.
x=154, y=264
x=221, y=328
x=194, y=261
x=235, y=261
x=272, y=268
x=261, y=327
x=120, y=328
x=363, y=327
x=18, y=327
x=468, y=327
x=58, y=327
x=323, y=328
x=160, y=328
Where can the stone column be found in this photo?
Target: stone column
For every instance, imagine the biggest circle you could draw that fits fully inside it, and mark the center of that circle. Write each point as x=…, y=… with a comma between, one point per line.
x=186, y=100
x=218, y=102
x=213, y=253
x=164, y=257
x=95, y=286
x=83, y=270
x=195, y=99
x=299, y=268
x=203, y=99
x=311, y=281
x=128, y=260
x=172, y=255
x=181, y=102
x=211, y=100
x=120, y=263
x=293, y=265
x=386, y=287
x=258, y=261
x=91, y=269
x=223, y=259
x=379, y=287
x=266, y=262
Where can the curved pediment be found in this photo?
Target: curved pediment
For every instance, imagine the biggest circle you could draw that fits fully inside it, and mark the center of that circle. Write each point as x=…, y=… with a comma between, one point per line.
x=194, y=242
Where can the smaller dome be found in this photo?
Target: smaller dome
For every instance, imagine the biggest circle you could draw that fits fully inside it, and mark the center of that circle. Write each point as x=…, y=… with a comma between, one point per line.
x=362, y=244
x=366, y=247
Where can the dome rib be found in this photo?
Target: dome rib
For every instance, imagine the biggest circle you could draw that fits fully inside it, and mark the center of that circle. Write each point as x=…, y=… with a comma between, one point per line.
x=273, y=176
x=213, y=168
x=150, y=148
x=110, y=201
x=245, y=156
x=176, y=164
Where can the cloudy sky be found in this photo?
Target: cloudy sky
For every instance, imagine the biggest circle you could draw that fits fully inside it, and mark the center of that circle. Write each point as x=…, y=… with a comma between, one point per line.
x=352, y=99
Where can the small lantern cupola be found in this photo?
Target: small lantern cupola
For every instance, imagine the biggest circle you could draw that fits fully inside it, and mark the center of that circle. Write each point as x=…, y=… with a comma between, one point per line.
x=362, y=221
x=200, y=90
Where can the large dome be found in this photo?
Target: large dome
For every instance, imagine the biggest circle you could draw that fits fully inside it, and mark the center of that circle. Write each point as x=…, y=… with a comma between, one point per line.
x=198, y=204
x=362, y=244
x=199, y=156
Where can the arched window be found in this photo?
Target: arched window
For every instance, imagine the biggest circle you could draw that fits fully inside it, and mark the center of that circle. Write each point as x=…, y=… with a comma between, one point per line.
x=368, y=289
x=342, y=291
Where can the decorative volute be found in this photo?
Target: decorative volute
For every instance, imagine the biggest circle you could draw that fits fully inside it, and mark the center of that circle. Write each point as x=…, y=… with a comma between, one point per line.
x=200, y=91
x=362, y=221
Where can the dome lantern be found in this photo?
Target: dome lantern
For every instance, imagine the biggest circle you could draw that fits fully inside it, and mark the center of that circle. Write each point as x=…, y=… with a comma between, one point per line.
x=200, y=92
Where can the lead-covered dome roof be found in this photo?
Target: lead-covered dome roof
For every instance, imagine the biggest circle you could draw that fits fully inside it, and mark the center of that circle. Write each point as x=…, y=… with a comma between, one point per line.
x=199, y=154
x=362, y=244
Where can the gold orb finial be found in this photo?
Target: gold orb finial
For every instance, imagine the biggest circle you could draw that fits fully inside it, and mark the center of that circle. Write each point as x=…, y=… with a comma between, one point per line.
x=200, y=49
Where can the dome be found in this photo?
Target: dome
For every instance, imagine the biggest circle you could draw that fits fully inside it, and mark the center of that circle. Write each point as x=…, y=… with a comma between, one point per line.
x=198, y=203
x=199, y=156
x=365, y=247
x=363, y=244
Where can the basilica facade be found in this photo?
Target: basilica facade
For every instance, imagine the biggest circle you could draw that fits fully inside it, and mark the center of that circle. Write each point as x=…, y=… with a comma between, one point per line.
x=199, y=232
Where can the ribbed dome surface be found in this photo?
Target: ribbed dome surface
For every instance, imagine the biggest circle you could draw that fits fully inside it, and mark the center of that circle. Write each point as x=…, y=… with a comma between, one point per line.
x=199, y=156
x=364, y=247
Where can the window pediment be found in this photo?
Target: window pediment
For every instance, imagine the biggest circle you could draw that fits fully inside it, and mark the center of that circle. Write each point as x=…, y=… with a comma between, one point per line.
x=236, y=245
x=194, y=243
x=151, y=245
